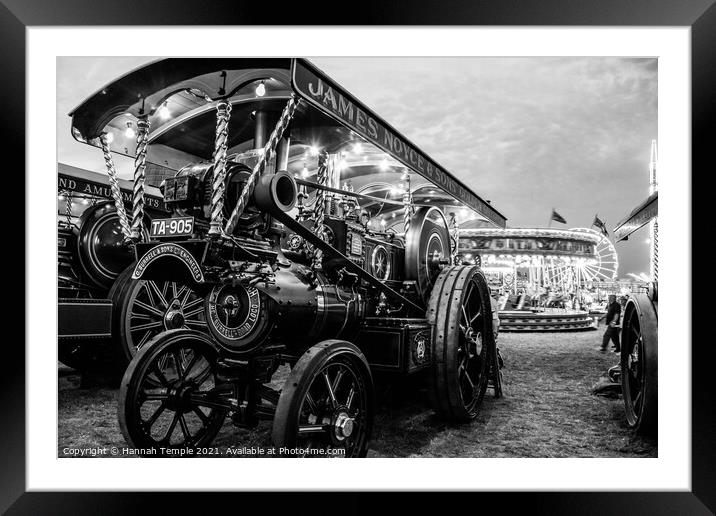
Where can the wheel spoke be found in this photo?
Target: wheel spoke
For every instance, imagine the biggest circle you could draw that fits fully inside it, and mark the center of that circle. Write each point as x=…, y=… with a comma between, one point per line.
x=148, y=308
x=469, y=291
x=160, y=410
x=184, y=428
x=147, y=326
x=170, y=431
x=469, y=380
x=200, y=414
x=195, y=322
x=174, y=290
x=154, y=395
x=464, y=361
x=165, y=291
x=203, y=376
x=191, y=304
x=192, y=363
x=331, y=395
x=178, y=365
x=336, y=382
x=479, y=312
x=145, y=338
x=186, y=297
x=196, y=311
x=351, y=395
x=162, y=362
x=311, y=404
x=637, y=399
x=159, y=294
x=148, y=290
x=158, y=370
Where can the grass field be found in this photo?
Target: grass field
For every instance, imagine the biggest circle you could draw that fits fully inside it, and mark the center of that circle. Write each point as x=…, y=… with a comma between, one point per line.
x=548, y=411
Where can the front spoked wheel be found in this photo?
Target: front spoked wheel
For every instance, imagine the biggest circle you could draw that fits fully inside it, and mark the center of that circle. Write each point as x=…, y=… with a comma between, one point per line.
x=145, y=308
x=168, y=397
x=326, y=408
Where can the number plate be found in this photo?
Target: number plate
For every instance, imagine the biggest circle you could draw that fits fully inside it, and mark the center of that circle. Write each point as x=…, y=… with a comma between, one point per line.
x=178, y=226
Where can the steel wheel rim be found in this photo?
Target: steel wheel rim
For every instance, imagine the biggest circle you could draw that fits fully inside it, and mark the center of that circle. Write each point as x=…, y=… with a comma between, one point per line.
x=337, y=392
x=471, y=351
x=154, y=307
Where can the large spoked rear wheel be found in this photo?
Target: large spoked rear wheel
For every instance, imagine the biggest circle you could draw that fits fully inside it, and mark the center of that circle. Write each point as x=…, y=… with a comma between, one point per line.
x=142, y=309
x=327, y=405
x=167, y=397
x=639, y=364
x=463, y=342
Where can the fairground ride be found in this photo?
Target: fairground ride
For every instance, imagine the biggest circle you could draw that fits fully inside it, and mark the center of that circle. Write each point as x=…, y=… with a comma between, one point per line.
x=541, y=262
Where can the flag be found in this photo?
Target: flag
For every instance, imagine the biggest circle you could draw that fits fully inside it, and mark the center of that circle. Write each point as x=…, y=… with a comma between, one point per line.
x=601, y=225
x=556, y=216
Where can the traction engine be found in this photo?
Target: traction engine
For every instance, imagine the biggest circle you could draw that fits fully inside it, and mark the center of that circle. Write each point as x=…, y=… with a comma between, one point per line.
x=301, y=280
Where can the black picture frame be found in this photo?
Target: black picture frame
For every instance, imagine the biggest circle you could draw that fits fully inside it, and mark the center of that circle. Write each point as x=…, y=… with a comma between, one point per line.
x=700, y=15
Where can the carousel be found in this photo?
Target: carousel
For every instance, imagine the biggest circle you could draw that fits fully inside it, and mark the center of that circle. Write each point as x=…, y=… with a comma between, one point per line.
x=546, y=279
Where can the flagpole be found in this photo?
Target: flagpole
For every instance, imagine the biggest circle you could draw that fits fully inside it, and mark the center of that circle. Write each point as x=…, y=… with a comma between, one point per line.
x=549, y=224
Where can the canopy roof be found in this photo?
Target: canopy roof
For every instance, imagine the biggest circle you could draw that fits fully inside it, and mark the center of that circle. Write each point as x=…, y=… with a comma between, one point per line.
x=177, y=95
x=639, y=216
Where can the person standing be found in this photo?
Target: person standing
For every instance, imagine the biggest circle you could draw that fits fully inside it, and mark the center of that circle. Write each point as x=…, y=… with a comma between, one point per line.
x=614, y=311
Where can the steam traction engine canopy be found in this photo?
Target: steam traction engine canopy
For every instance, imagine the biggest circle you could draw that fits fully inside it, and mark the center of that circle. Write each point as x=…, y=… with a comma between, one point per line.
x=177, y=98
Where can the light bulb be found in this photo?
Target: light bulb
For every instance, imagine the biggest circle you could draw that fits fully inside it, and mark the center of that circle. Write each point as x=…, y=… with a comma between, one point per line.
x=164, y=112
x=304, y=172
x=314, y=150
x=357, y=148
x=129, y=133
x=261, y=89
x=384, y=165
x=109, y=137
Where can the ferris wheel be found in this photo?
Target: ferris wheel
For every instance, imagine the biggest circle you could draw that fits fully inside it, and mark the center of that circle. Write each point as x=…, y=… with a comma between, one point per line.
x=606, y=262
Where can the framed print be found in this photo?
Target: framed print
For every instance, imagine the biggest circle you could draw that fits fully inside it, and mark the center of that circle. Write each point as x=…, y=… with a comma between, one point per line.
x=430, y=240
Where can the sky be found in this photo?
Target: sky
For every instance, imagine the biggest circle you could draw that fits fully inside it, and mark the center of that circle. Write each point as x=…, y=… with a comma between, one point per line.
x=529, y=134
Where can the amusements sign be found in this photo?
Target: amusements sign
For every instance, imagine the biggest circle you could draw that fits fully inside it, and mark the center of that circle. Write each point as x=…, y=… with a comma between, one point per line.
x=87, y=187
x=317, y=89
